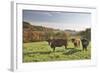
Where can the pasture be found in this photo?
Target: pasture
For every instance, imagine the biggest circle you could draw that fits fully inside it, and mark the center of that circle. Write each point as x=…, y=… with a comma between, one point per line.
x=42, y=52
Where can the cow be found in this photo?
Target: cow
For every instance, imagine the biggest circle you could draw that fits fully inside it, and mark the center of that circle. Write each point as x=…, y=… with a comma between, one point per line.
x=57, y=43
x=76, y=42
x=85, y=43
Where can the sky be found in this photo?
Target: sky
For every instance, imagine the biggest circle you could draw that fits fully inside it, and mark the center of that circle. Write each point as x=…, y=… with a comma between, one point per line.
x=58, y=20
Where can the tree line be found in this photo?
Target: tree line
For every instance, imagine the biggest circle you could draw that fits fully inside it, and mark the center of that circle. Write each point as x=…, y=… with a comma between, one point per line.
x=32, y=33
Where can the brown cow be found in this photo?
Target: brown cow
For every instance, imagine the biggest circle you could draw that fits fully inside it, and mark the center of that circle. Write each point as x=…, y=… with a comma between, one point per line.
x=76, y=42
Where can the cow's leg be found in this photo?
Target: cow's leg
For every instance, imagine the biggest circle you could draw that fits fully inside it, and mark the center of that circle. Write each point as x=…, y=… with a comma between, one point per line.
x=79, y=44
x=65, y=46
x=53, y=49
x=49, y=43
x=75, y=45
x=85, y=48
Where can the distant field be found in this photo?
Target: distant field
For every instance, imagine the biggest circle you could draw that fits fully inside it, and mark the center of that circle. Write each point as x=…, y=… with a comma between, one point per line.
x=41, y=51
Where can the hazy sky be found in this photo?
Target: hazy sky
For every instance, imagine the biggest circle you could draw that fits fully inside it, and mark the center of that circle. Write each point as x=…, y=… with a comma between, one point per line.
x=58, y=20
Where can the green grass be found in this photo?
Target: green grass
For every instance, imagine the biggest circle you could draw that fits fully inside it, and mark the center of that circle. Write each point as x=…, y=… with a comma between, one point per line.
x=41, y=51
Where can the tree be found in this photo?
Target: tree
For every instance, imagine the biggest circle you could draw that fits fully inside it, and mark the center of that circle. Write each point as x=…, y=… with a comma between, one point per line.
x=60, y=35
x=86, y=34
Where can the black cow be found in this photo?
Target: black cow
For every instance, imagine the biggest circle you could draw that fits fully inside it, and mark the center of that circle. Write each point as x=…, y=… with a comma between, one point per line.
x=58, y=43
x=85, y=43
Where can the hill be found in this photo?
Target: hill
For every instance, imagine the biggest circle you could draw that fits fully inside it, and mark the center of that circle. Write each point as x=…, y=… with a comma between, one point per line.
x=33, y=33
x=33, y=27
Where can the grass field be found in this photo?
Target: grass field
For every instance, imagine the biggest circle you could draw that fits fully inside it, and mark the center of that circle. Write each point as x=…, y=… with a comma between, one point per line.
x=41, y=51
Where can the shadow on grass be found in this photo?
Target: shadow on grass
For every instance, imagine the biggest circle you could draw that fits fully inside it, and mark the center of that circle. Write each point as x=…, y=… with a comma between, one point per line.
x=68, y=51
x=47, y=52
x=71, y=51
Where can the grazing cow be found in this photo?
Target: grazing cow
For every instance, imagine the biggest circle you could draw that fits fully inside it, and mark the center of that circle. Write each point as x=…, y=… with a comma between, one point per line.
x=85, y=43
x=58, y=43
x=76, y=42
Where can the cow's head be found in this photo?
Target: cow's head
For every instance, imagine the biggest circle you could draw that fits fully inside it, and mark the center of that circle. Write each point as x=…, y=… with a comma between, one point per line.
x=73, y=39
x=49, y=41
